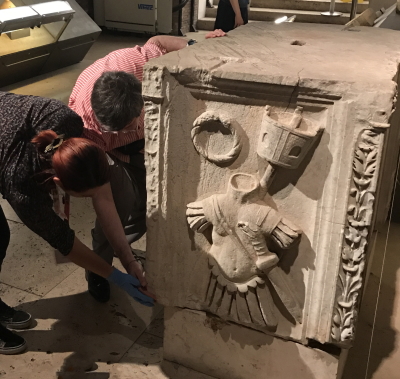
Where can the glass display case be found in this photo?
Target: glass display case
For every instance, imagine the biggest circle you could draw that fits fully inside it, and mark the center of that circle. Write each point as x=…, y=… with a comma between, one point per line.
x=25, y=27
x=35, y=38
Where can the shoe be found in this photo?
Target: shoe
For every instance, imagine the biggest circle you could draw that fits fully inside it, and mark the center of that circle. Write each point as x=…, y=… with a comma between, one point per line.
x=12, y=318
x=98, y=287
x=11, y=343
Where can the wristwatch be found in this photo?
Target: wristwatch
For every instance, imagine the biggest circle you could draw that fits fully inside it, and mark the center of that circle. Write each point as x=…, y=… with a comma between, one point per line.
x=191, y=42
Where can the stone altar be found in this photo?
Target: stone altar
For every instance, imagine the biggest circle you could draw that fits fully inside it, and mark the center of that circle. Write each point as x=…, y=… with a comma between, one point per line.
x=270, y=156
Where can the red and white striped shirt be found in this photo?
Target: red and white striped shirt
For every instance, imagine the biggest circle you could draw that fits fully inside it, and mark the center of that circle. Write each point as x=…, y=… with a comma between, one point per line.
x=130, y=60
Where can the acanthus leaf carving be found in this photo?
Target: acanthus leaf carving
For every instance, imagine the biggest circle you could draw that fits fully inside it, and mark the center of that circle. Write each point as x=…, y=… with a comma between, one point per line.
x=356, y=233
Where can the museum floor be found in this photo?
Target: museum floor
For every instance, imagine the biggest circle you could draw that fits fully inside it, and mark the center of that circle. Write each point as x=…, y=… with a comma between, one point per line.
x=75, y=337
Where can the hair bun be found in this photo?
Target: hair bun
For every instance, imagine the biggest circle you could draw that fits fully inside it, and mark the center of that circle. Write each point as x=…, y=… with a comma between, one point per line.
x=44, y=139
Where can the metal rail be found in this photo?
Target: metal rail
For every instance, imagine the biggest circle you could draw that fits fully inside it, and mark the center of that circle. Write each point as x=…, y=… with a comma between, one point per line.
x=331, y=11
x=353, y=11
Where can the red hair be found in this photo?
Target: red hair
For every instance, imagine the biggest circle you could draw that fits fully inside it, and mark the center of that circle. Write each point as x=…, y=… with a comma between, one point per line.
x=79, y=163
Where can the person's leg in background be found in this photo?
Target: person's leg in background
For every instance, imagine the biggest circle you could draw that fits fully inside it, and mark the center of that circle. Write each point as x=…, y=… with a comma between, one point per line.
x=10, y=343
x=245, y=15
x=225, y=19
x=128, y=185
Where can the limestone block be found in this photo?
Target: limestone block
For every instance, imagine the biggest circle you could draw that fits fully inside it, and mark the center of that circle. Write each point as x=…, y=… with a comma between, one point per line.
x=228, y=351
x=270, y=157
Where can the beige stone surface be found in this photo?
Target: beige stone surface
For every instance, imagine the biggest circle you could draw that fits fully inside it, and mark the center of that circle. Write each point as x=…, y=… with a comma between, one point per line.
x=176, y=371
x=144, y=360
x=385, y=352
x=225, y=123
x=226, y=350
x=375, y=354
x=68, y=316
x=76, y=332
x=31, y=264
x=205, y=112
x=156, y=328
x=15, y=297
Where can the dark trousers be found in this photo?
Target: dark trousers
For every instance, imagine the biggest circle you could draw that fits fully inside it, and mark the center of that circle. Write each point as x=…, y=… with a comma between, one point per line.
x=4, y=236
x=226, y=16
x=128, y=185
x=4, y=241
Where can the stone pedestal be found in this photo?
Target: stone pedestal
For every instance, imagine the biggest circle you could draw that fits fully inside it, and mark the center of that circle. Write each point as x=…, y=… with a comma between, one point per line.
x=270, y=156
x=229, y=351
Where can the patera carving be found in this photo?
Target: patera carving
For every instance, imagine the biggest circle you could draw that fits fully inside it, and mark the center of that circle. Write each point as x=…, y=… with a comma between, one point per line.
x=243, y=270
x=360, y=210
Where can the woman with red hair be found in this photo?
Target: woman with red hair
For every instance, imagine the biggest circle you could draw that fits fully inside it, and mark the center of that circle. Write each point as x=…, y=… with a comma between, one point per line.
x=41, y=148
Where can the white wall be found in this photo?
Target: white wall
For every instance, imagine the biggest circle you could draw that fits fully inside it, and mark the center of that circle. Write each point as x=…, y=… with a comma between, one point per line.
x=202, y=9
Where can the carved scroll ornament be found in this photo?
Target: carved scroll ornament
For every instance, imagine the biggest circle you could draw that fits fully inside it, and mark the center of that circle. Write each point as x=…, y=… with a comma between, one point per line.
x=362, y=196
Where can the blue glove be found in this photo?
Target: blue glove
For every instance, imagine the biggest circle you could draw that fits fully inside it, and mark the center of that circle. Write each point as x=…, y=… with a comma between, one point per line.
x=131, y=285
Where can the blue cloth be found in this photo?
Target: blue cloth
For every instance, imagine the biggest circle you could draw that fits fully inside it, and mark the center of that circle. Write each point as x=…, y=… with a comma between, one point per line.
x=131, y=285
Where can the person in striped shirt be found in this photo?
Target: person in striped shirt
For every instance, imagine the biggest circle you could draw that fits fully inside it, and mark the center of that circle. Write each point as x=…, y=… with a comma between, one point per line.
x=108, y=97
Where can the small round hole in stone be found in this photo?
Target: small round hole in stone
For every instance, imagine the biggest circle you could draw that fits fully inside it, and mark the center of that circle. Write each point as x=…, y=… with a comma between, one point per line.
x=298, y=43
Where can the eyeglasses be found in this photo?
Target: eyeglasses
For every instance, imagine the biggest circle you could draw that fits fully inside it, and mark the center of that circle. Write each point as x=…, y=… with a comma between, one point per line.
x=122, y=131
x=132, y=127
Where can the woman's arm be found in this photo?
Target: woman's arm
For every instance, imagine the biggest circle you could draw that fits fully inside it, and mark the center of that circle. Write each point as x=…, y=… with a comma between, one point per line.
x=86, y=258
x=110, y=222
x=171, y=43
x=238, y=15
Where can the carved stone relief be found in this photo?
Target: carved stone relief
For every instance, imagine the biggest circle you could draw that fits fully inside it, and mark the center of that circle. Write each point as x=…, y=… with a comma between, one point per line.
x=359, y=218
x=208, y=118
x=243, y=270
x=240, y=262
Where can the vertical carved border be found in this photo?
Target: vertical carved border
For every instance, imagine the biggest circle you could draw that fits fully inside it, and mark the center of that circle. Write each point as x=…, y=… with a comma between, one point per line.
x=153, y=95
x=364, y=179
x=152, y=157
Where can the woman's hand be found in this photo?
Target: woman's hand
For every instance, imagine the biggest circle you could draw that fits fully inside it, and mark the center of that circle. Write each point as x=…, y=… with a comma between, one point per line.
x=135, y=269
x=131, y=285
x=238, y=20
x=215, y=34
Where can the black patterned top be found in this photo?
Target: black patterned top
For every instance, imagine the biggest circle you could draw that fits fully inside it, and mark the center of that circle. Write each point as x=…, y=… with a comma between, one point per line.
x=21, y=118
